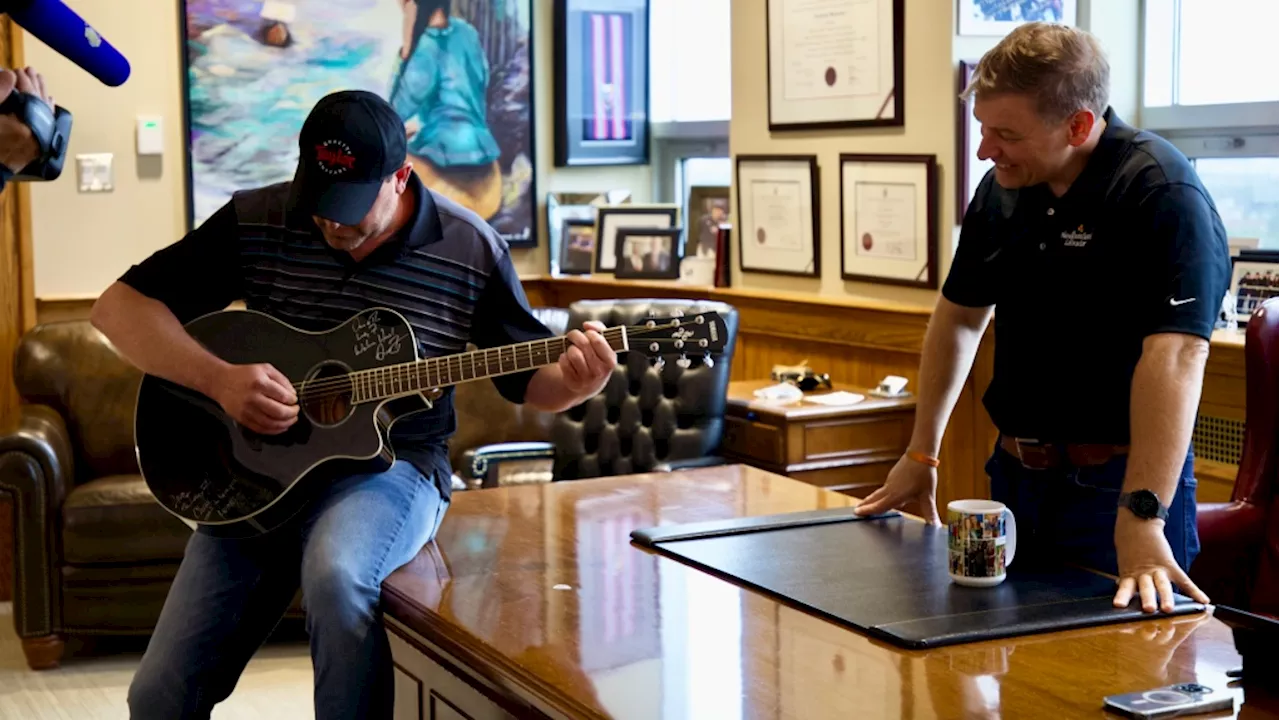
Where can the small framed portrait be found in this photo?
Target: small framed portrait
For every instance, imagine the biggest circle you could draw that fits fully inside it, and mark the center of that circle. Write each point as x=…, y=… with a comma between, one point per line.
x=707, y=210
x=601, y=82
x=610, y=220
x=578, y=246
x=995, y=18
x=565, y=206
x=1255, y=278
x=648, y=253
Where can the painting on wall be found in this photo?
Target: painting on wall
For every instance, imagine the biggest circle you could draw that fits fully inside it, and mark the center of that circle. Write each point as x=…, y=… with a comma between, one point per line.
x=456, y=71
x=995, y=18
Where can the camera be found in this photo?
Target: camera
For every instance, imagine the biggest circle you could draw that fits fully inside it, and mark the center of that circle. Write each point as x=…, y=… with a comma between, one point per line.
x=51, y=128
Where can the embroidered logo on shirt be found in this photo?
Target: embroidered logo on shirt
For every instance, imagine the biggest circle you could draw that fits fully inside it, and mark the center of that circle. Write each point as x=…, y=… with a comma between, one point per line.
x=1077, y=237
x=1176, y=303
x=334, y=157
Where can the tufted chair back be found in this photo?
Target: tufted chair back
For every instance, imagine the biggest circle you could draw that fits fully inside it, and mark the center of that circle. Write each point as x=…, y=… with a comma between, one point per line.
x=645, y=416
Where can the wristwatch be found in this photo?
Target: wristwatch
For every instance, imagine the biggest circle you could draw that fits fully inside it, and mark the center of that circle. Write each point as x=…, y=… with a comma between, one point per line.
x=1144, y=504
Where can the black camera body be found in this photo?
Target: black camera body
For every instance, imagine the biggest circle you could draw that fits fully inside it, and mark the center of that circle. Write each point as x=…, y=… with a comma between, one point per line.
x=51, y=129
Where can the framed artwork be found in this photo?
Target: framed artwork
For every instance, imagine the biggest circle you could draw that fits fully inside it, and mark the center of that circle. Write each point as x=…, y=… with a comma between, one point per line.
x=778, y=214
x=1255, y=278
x=707, y=210
x=970, y=170
x=888, y=219
x=578, y=246
x=609, y=220
x=648, y=253
x=601, y=82
x=998, y=17
x=458, y=72
x=834, y=63
x=563, y=207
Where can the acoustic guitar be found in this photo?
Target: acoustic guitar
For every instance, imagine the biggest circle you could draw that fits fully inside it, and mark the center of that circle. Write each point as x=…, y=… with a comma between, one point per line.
x=353, y=382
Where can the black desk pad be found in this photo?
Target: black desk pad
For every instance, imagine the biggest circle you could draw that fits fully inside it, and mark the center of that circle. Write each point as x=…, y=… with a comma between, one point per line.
x=887, y=576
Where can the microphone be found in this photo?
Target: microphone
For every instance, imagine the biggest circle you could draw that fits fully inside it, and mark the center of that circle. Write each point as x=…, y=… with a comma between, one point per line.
x=59, y=27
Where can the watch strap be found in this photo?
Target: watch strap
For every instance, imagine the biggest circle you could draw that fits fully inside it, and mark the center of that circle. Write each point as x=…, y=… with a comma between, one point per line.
x=1125, y=501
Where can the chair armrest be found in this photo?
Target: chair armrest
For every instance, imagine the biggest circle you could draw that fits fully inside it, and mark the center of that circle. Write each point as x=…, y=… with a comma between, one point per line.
x=1231, y=536
x=481, y=463
x=36, y=469
x=690, y=463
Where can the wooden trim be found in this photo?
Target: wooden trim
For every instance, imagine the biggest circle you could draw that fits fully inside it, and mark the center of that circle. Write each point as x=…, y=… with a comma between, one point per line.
x=409, y=674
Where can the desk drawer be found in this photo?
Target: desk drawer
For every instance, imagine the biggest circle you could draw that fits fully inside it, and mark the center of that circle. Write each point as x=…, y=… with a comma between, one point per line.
x=851, y=438
x=754, y=440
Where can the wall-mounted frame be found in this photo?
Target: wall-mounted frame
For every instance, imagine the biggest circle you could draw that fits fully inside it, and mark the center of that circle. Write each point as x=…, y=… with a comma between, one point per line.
x=563, y=207
x=834, y=64
x=969, y=169
x=577, y=246
x=601, y=82
x=888, y=219
x=996, y=19
x=609, y=220
x=778, y=212
x=1255, y=278
x=648, y=253
x=248, y=85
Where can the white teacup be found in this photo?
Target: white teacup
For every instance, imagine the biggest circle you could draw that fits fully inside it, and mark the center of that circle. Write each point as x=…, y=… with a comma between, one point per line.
x=981, y=539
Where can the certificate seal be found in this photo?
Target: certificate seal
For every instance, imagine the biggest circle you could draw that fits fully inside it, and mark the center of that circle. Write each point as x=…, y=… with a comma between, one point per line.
x=866, y=241
x=830, y=77
x=760, y=237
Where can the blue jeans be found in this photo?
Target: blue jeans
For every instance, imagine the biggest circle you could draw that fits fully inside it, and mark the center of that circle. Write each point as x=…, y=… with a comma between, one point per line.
x=1068, y=514
x=229, y=594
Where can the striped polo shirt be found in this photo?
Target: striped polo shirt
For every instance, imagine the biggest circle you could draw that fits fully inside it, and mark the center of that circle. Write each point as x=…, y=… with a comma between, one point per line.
x=448, y=272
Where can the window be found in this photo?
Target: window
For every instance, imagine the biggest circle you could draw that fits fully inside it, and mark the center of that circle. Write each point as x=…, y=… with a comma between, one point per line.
x=1211, y=86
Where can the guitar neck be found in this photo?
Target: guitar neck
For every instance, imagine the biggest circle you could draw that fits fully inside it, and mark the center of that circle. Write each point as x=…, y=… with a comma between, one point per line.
x=378, y=384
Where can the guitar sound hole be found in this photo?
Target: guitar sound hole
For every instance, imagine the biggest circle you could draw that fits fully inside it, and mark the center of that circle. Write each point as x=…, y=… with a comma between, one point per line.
x=325, y=396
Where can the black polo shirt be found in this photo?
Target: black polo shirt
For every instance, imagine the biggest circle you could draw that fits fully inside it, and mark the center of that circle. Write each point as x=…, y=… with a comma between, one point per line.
x=448, y=272
x=1135, y=247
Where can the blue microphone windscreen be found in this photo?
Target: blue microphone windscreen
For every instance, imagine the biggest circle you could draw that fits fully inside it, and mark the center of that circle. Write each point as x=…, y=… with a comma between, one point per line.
x=59, y=27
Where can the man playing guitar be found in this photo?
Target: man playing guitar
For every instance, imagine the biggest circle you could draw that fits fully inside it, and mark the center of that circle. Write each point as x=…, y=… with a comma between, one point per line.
x=354, y=229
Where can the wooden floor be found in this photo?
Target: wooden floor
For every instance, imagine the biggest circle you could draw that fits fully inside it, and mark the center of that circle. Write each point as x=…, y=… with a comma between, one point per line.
x=93, y=682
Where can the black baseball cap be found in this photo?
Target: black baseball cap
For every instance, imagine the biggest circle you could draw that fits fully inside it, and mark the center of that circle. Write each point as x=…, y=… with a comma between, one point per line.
x=349, y=144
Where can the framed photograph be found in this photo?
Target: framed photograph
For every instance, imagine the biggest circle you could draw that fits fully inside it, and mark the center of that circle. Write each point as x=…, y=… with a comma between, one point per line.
x=995, y=18
x=1255, y=278
x=970, y=170
x=609, y=220
x=601, y=82
x=778, y=214
x=253, y=71
x=888, y=219
x=834, y=63
x=563, y=207
x=578, y=246
x=645, y=253
x=707, y=210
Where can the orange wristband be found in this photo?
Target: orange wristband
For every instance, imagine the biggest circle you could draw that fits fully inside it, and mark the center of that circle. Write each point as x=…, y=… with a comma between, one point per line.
x=924, y=459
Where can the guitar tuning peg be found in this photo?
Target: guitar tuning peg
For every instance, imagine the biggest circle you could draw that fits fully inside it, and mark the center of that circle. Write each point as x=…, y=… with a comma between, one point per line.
x=684, y=362
x=706, y=360
x=659, y=363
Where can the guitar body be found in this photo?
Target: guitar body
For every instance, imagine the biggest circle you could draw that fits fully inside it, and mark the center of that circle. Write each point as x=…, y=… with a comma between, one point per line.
x=207, y=469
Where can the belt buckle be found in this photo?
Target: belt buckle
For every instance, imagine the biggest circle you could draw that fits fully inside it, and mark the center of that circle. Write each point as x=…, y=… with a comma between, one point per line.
x=1044, y=454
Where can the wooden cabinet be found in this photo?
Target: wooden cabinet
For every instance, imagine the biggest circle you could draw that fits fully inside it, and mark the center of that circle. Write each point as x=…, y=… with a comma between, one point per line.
x=848, y=449
x=429, y=688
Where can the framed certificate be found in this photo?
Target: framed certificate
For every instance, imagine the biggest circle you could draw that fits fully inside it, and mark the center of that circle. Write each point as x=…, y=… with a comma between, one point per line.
x=971, y=170
x=601, y=82
x=888, y=219
x=778, y=214
x=834, y=63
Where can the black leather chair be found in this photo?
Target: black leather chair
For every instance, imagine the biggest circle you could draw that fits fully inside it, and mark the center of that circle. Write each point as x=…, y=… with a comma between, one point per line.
x=650, y=417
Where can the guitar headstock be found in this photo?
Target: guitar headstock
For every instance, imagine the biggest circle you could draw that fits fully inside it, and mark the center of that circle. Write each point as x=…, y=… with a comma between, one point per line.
x=688, y=335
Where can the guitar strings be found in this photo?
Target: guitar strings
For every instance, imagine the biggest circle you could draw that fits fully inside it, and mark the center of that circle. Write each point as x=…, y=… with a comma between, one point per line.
x=385, y=377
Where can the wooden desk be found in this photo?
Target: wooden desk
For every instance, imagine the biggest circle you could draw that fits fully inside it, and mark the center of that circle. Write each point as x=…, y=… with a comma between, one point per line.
x=848, y=449
x=533, y=603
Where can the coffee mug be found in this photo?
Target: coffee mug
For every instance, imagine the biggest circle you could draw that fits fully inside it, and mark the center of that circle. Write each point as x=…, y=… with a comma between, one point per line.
x=981, y=539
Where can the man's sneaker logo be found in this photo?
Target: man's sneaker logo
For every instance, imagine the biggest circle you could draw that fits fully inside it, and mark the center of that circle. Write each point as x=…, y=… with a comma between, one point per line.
x=1077, y=237
x=1176, y=303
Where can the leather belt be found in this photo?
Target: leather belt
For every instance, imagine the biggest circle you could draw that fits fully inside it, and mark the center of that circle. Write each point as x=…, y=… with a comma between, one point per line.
x=1043, y=456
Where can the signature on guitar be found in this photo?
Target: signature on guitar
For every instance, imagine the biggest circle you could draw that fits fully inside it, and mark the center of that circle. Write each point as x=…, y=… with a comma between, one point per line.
x=369, y=336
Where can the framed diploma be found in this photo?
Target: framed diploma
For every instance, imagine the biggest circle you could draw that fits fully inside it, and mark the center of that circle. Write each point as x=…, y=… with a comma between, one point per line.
x=601, y=82
x=888, y=219
x=968, y=138
x=609, y=220
x=778, y=214
x=834, y=63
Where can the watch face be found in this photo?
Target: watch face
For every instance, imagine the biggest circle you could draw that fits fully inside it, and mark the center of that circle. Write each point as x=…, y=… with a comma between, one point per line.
x=1145, y=504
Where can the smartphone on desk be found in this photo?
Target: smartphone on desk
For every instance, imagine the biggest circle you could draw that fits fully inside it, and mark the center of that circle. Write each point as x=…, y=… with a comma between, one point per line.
x=1169, y=702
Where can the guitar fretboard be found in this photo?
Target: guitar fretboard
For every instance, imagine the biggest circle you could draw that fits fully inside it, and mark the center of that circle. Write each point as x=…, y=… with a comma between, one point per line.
x=394, y=380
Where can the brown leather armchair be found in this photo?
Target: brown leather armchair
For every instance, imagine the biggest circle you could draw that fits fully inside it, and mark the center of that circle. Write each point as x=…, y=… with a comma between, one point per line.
x=1238, y=562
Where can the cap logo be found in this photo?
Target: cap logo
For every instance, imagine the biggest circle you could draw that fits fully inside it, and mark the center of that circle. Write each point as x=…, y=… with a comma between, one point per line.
x=334, y=157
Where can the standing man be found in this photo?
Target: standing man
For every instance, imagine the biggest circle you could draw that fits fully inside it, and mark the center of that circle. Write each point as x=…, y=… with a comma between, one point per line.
x=1105, y=262
x=355, y=229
